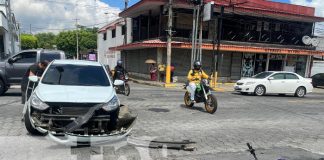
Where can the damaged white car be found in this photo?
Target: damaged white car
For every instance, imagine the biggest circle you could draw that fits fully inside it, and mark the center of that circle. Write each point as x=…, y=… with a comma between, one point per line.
x=75, y=102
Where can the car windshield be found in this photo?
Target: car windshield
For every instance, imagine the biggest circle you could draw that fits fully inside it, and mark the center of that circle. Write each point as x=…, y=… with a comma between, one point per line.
x=262, y=75
x=78, y=75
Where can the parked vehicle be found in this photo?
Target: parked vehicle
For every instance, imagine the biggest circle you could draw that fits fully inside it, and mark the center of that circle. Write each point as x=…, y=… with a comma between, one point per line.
x=75, y=99
x=275, y=83
x=124, y=88
x=13, y=68
x=318, y=79
x=203, y=95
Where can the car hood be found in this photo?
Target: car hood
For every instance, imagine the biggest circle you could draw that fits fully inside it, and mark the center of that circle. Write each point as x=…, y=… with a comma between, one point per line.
x=74, y=94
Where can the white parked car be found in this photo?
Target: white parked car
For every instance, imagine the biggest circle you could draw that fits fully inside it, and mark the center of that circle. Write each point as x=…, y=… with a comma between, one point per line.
x=275, y=83
x=73, y=100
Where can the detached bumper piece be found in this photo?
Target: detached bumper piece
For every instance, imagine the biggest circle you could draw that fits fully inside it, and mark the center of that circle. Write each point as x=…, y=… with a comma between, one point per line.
x=184, y=145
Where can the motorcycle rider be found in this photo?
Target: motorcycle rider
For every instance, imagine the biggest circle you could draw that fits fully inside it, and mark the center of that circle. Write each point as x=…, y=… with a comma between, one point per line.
x=194, y=77
x=119, y=70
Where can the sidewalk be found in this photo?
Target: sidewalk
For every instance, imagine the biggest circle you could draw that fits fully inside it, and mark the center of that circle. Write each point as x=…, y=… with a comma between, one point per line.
x=221, y=87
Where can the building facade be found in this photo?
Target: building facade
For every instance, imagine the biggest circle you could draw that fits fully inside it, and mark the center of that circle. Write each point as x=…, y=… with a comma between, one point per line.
x=112, y=35
x=257, y=35
x=9, y=32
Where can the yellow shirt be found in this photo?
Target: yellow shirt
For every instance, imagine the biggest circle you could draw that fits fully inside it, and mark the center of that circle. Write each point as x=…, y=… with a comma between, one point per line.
x=196, y=76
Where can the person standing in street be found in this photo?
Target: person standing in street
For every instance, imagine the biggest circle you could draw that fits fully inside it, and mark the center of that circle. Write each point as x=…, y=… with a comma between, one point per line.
x=36, y=69
x=172, y=72
x=161, y=68
x=153, y=72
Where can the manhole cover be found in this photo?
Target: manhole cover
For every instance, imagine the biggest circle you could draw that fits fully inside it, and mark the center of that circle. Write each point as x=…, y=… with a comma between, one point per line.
x=136, y=99
x=158, y=110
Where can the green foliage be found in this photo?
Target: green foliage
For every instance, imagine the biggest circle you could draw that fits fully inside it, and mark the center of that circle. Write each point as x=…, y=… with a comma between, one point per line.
x=46, y=40
x=66, y=41
x=28, y=41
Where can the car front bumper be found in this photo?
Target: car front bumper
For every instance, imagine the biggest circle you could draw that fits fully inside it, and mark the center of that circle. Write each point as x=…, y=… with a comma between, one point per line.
x=244, y=88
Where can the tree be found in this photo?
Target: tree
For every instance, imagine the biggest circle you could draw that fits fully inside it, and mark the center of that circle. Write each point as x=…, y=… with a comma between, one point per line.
x=28, y=41
x=46, y=40
x=66, y=41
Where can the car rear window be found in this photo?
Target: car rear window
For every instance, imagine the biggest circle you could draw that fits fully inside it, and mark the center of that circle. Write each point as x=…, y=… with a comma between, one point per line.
x=77, y=75
x=50, y=56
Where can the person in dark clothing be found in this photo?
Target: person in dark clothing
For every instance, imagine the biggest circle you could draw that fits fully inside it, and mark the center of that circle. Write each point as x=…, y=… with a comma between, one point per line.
x=36, y=69
x=119, y=71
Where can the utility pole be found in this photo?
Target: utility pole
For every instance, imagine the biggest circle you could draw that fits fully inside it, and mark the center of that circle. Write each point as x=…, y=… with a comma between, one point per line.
x=168, y=68
x=30, y=30
x=10, y=26
x=125, y=36
x=77, y=37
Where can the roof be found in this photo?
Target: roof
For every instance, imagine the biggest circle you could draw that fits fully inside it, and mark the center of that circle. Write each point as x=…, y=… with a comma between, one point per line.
x=223, y=47
x=111, y=25
x=263, y=8
x=77, y=62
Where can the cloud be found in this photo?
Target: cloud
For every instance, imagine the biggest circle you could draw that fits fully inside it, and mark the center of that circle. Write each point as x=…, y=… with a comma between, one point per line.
x=319, y=11
x=56, y=15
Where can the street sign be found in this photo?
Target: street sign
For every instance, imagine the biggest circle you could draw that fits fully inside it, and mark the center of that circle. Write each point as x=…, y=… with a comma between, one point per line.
x=208, y=11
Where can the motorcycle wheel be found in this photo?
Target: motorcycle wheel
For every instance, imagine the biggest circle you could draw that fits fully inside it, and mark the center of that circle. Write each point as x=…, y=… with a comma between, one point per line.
x=187, y=100
x=211, y=104
x=127, y=90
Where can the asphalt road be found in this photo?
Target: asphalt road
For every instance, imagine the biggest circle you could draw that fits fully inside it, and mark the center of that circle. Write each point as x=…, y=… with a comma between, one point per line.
x=277, y=126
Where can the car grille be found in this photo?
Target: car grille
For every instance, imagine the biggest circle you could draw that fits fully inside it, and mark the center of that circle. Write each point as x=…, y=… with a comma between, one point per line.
x=71, y=108
x=239, y=84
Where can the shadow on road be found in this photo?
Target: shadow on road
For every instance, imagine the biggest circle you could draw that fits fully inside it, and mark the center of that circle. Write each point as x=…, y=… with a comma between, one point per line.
x=197, y=108
x=13, y=94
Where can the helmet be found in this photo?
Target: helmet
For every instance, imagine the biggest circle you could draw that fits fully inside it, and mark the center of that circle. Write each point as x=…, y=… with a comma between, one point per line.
x=119, y=63
x=197, y=65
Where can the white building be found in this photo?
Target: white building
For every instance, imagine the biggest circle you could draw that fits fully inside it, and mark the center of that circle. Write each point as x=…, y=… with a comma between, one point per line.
x=9, y=32
x=110, y=36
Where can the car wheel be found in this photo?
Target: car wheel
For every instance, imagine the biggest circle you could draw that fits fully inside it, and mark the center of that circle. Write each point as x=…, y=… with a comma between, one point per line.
x=29, y=126
x=2, y=88
x=259, y=90
x=300, y=92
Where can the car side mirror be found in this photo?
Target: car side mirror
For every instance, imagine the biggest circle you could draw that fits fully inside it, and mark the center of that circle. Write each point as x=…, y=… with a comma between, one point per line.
x=270, y=78
x=11, y=60
x=33, y=78
x=118, y=82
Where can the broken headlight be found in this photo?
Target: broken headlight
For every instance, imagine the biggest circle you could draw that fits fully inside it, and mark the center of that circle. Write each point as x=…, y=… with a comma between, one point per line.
x=36, y=103
x=111, y=105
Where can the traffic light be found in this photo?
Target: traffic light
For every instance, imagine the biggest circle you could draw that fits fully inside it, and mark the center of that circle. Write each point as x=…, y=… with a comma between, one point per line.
x=196, y=2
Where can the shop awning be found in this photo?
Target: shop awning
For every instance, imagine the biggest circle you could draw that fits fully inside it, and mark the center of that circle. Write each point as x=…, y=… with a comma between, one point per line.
x=223, y=47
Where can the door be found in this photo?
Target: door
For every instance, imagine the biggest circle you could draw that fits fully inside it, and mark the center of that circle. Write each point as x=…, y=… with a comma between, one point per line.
x=321, y=79
x=277, y=83
x=292, y=82
x=21, y=62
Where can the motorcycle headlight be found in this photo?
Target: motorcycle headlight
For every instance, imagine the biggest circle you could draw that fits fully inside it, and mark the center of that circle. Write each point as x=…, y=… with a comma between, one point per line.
x=249, y=83
x=36, y=103
x=113, y=104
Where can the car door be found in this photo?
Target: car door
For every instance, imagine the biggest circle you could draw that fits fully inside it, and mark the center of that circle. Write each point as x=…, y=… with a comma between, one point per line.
x=292, y=82
x=321, y=79
x=21, y=62
x=276, y=83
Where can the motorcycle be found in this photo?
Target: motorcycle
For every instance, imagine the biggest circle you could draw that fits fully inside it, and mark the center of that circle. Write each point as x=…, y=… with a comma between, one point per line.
x=124, y=88
x=203, y=95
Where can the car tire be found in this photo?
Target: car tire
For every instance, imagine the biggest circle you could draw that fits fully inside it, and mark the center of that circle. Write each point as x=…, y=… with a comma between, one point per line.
x=2, y=88
x=259, y=90
x=29, y=126
x=300, y=92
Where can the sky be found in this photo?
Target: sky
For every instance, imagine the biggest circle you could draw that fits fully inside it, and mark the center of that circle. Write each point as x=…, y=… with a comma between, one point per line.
x=56, y=15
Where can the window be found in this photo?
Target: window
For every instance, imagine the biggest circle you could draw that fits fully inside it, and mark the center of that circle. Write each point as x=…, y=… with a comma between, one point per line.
x=50, y=56
x=123, y=29
x=262, y=75
x=279, y=76
x=291, y=76
x=76, y=75
x=105, y=36
x=113, y=33
x=25, y=57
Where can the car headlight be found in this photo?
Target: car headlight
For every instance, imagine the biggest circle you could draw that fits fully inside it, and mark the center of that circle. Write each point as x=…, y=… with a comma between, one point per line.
x=36, y=103
x=249, y=83
x=111, y=105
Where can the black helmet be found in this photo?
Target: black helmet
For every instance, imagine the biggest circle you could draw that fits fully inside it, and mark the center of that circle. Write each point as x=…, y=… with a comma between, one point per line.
x=119, y=63
x=197, y=65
